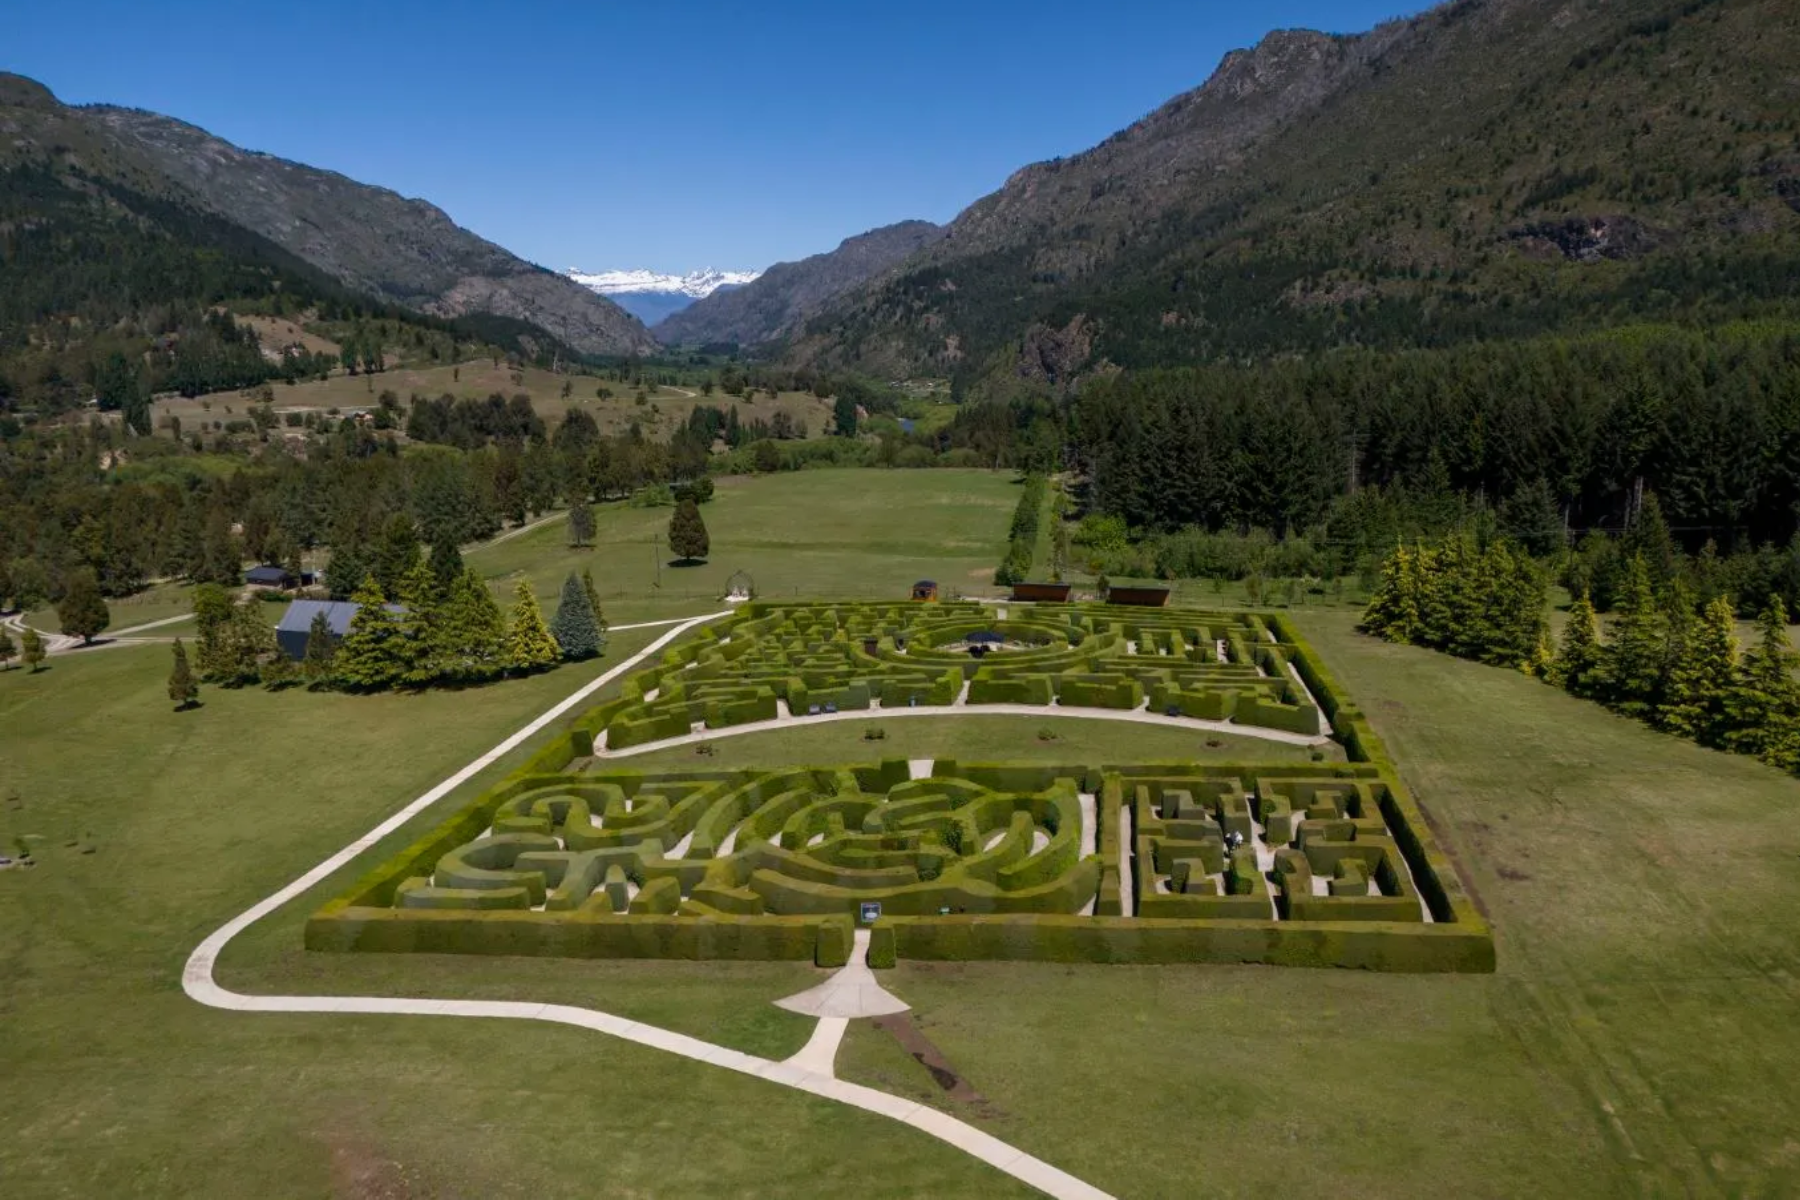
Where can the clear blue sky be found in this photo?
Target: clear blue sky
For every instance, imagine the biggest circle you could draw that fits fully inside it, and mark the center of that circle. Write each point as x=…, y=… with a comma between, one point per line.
x=658, y=133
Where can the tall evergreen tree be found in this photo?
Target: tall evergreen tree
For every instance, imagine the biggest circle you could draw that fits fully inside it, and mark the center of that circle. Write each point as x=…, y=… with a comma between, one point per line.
x=446, y=562
x=32, y=649
x=1580, y=660
x=398, y=551
x=1701, y=676
x=182, y=688
x=581, y=524
x=372, y=655
x=593, y=595
x=7, y=650
x=529, y=646
x=687, y=532
x=1638, y=650
x=1762, y=709
x=1393, y=611
x=81, y=610
x=470, y=634
x=574, y=627
x=212, y=615
x=420, y=600
x=321, y=652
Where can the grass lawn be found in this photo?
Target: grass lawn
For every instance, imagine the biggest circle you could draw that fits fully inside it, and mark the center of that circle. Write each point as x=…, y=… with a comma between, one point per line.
x=863, y=534
x=117, y=1084
x=1636, y=1037
x=971, y=739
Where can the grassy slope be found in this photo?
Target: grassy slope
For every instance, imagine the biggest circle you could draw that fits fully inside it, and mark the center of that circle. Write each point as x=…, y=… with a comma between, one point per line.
x=1635, y=1037
x=665, y=409
x=116, y=1083
x=839, y=533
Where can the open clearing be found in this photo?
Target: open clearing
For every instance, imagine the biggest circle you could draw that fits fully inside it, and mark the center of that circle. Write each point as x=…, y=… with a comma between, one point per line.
x=1637, y=1035
x=664, y=409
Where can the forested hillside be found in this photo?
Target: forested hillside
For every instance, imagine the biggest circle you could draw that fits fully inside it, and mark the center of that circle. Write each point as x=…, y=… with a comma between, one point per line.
x=1492, y=169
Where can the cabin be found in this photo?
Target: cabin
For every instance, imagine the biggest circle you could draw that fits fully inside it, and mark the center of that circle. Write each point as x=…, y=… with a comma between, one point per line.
x=925, y=590
x=280, y=578
x=1138, y=597
x=1041, y=593
x=295, y=630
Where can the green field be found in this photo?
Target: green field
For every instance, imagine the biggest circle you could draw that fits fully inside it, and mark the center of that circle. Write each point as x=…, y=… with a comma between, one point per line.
x=1635, y=1037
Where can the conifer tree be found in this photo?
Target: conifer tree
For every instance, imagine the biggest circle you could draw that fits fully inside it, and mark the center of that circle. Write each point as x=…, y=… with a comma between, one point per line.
x=82, y=612
x=1639, y=648
x=1580, y=660
x=687, y=532
x=419, y=600
x=1762, y=710
x=581, y=524
x=1432, y=566
x=321, y=651
x=212, y=614
x=1701, y=675
x=573, y=626
x=32, y=649
x=593, y=595
x=470, y=635
x=182, y=688
x=372, y=655
x=1393, y=611
x=7, y=650
x=446, y=562
x=529, y=646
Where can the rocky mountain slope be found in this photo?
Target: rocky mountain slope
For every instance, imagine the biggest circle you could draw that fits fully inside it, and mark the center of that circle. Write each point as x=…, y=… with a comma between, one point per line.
x=372, y=240
x=1490, y=168
x=788, y=294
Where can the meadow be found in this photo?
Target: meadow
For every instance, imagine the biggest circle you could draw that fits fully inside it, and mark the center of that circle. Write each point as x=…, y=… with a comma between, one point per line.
x=1634, y=1038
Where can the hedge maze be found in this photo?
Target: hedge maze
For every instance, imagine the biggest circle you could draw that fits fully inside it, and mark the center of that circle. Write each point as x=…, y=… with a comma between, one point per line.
x=1322, y=864
x=779, y=660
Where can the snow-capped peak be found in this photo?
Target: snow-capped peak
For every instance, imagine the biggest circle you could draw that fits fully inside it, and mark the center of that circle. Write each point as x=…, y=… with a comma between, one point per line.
x=697, y=285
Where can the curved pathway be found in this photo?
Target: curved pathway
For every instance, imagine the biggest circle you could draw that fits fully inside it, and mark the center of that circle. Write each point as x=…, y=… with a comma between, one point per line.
x=1133, y=716
x=197, y=981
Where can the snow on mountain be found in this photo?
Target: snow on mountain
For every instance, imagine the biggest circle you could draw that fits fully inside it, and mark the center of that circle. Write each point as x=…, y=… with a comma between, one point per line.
x=694, y=286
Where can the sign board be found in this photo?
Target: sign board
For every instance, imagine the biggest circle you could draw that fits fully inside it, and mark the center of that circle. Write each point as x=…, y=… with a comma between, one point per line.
x=871, y=911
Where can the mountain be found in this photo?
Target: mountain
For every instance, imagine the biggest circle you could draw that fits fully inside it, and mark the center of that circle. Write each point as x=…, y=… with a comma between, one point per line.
x=373, y=241
x=650, y=297
x=787, y=294
x=1489, y=169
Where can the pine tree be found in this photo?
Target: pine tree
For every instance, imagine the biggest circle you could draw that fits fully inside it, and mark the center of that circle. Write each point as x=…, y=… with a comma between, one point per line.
x=1436, y=599
x=581, y=524
x=1393, y=611
x=398, y=551
x=446, y=563
x=1762, y=710
x=593, y=595
x=7, y=650
x=420, y=600
x=372, y=655
x=212, y=614
x=32, y=649
x=573, y=627
x=251, y=644
x=470, y=635
x=1636, y=656
x=687, y=532
x=321, y=651
x=529, y=646
x=82, y=612
x=182, y=688
x=1701, y=676
x=1580, y=660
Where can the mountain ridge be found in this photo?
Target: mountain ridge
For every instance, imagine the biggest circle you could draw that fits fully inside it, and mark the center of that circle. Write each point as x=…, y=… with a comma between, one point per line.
x=391, y=247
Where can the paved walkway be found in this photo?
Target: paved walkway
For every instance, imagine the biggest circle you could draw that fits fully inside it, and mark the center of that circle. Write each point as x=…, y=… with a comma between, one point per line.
x=197, y=981
x=851, y=992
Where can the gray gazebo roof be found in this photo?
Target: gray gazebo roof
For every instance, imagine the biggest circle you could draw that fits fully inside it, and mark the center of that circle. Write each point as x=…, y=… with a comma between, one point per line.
x=300, y=614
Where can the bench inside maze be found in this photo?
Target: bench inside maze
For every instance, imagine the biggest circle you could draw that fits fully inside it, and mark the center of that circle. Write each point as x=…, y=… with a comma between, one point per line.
x=1317, y=864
